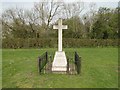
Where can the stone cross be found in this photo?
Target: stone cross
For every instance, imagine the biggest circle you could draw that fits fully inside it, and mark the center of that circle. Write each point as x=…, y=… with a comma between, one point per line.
x=60, y=27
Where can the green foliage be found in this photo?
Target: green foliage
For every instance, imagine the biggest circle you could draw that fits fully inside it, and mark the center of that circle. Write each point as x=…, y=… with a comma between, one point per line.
x=52, y=42
x=101, y=25
x=106, y=25
x=75, y=28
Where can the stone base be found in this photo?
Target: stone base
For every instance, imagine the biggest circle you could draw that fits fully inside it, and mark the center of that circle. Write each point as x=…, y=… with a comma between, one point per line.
x=60, y=62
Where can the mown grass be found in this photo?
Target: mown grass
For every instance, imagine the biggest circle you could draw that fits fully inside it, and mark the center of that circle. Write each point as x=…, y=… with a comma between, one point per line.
x=99, y=69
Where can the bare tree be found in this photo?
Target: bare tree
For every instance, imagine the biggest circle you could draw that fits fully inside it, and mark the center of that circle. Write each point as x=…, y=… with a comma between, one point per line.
x=13, y=20
x=89, y=19
x=46, y=11
x=7, y=18
x=92, y=14
x=73, y=9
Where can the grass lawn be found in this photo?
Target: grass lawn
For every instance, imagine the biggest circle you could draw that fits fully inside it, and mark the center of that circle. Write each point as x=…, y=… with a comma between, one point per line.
x=99, y=69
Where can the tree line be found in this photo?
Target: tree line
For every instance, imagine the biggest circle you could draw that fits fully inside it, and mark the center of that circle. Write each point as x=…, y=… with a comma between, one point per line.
x=38, y=21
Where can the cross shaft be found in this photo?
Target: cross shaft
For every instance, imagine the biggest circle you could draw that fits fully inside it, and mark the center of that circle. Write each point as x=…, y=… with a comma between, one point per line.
x=60, y=27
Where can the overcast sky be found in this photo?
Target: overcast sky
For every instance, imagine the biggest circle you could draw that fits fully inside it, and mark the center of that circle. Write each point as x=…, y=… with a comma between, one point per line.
x=59, y=0
x=28, y=4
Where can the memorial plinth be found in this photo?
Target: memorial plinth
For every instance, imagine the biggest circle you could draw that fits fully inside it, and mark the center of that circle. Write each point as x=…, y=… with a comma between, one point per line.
x=59, y=62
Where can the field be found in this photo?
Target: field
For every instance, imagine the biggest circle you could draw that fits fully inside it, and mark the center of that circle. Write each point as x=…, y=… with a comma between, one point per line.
x=99, y=69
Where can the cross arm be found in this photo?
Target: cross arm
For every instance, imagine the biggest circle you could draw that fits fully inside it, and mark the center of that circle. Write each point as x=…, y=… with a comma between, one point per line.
x=55, y=26
x=64, y=27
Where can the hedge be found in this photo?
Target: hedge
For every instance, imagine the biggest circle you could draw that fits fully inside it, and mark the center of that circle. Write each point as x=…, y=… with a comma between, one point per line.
x=52, y=43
